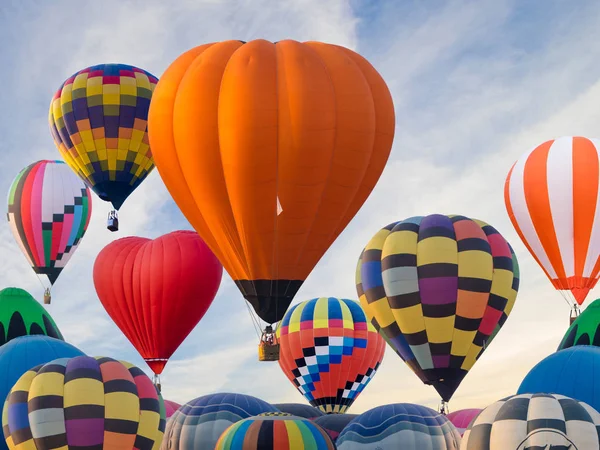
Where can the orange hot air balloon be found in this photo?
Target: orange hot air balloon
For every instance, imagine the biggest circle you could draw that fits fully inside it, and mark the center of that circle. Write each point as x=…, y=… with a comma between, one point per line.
x=270, y=149
x=552, y=197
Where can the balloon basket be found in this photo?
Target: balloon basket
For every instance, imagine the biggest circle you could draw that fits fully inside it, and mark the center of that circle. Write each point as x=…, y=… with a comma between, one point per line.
x=113, y=221
x=47, y=297
x=268, y=352
x=574, y=314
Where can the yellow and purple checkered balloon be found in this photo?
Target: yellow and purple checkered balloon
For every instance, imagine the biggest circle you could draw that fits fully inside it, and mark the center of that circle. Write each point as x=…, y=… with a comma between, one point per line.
x=98, y=120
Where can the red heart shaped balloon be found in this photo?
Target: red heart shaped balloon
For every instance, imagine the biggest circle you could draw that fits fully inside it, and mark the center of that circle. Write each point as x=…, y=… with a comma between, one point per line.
x=156, y=291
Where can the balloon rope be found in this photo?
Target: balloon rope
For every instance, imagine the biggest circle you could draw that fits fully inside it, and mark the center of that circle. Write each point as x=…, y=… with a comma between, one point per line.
x=255, y=321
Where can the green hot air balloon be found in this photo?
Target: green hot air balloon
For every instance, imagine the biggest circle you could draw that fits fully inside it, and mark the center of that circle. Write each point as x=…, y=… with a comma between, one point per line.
x=22, y=315
x=585, y=330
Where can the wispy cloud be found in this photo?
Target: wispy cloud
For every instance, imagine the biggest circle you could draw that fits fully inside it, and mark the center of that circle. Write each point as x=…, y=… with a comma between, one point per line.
x=475, y=84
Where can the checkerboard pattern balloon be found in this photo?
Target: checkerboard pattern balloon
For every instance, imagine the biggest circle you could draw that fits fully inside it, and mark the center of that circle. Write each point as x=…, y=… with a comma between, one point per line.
x=329, y=351
x=438, y=288
x=534, y=421
x=98, y=120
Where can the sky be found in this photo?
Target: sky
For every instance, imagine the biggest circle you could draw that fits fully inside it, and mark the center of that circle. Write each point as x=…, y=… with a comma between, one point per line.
x=475, y=85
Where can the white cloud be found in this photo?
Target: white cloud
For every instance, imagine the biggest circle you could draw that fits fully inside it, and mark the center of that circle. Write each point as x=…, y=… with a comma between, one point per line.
x=470, y=95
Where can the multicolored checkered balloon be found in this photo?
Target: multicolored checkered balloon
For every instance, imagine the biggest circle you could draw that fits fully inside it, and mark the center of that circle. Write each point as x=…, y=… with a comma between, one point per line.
x=83, y=402
x=329, y=351
x=49, y=209
x=276, y=433
x=98, y=120
x=438, y=289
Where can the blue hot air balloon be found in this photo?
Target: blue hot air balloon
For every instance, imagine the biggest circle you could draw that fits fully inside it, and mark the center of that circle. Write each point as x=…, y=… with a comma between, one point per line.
x=25, y=352
x=568, y=372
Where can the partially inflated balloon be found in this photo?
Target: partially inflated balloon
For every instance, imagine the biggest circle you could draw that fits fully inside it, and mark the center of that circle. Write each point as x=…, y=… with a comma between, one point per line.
x=462, y=418
x=49, y=209
x=22, y=315
x=299, y=410
x=98, y=120
x=82, y=402
x=438, y=288
x=534, y=422
x=156, y=291
x=329, y=351
x=400, y=426
x=270, y=149
x=280, y=432
x=199, y=423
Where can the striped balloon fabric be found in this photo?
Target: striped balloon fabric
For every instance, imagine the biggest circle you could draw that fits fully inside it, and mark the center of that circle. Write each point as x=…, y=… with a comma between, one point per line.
x=49, y=209
x=98, y=120
x=400, y=426
x=534, y=422
x=81, y=402
x=329, y=351
x=275, y=433
x=438, y=288
x=199, y=423
x=552, y=197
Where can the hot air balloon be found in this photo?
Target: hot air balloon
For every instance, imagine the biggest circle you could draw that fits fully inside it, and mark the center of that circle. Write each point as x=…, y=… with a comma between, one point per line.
x=199, y=423
x=21, y=315
x=462, y=418
x=156, y=291
x=551, y=196
x=438, y=288
x=98, y=120
x=270, y=160
x=299, y=410
x=49, y=210
x=585, y=329
x=534, y=422
x=171, y=407
x=329, y=351
x=281, y=432
x=82, y=402
x=25, y=352
x=334, y=424
x=399, y=426
x=569, y=372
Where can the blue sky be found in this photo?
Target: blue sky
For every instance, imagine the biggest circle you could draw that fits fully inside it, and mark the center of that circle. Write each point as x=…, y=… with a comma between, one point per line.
x=475, y=85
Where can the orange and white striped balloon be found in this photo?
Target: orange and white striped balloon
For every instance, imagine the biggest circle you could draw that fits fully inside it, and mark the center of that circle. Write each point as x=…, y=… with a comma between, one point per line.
x=551, y=196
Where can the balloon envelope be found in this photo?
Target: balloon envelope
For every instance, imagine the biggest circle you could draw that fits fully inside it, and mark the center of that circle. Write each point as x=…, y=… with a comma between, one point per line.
x=199, y=423
x=329, y=351
x=400, y=425
x=438, y=288
x=22, y=315
x=551, y=195
x=49, y=210
x=23, y=353
x=270, y=161
x=334, y=424
x=299, y=410
x=567, y=372
x=171, y=407
x=585, y=330
x=156, y=291
x=462, y=418
x=532, y=422
x=275, y=432
x=102, y=403
x=98, y=120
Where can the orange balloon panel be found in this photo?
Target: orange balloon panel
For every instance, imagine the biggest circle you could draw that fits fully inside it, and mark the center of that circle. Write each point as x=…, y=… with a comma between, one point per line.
x=270, y=149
